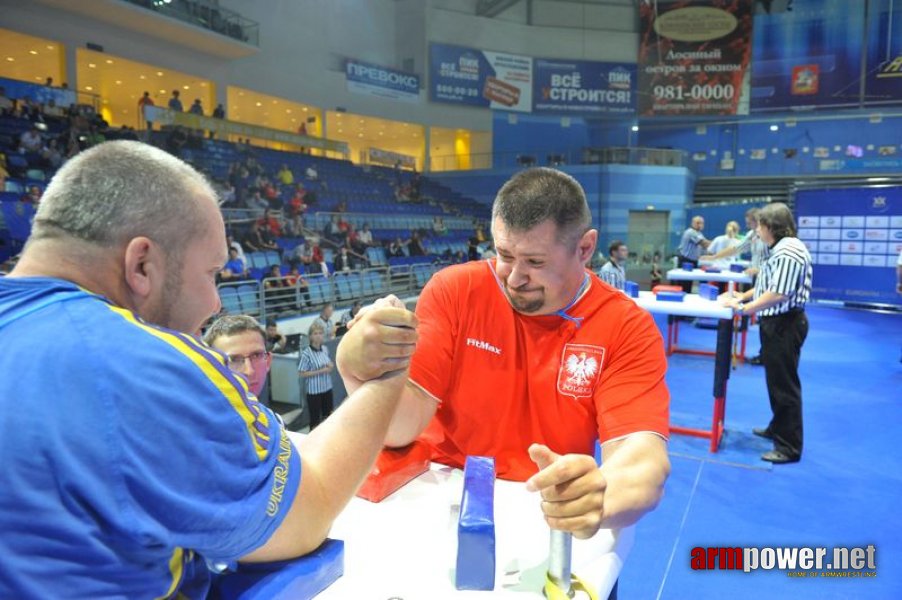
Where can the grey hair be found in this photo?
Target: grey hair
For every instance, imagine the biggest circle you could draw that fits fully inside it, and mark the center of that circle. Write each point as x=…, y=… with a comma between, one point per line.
x=119, y=190
x=778, y=219
x=536, y=195
x=230, y=325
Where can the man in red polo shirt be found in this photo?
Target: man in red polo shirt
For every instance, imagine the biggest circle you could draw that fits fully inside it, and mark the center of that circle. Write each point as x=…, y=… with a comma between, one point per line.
x=530, y=358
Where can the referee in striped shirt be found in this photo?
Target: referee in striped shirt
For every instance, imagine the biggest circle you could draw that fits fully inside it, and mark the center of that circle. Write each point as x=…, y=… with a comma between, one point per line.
x=614, y=271
x=316, y=368
x=779, y=297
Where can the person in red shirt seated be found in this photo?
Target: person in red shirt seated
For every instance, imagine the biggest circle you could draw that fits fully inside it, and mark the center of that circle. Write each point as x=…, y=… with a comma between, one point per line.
x=529, y=359
x=270, y=223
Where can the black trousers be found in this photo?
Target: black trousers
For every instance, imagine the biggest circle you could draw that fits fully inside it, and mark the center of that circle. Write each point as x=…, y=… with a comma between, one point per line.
x=782, y=337
x=320, y=406
x=687, y=285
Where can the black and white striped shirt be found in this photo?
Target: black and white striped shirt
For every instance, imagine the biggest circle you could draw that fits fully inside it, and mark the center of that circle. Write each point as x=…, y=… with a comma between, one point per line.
x=313, y=360
x=613, y=274
x=788, y=272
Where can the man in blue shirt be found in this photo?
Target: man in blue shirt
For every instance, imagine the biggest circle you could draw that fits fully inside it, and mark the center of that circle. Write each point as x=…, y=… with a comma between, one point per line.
x=691, y=244
x=131, y=453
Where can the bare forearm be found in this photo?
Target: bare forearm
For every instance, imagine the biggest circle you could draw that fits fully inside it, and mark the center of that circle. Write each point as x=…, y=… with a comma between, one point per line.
x=765, y=300
x=635, y=475
x=413, y=414
x=340, y=452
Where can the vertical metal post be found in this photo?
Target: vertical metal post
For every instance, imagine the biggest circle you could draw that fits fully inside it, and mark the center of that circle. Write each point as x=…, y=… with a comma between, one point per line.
x=559, y=560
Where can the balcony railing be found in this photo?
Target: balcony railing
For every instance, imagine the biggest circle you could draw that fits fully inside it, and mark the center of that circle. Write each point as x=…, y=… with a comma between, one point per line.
x=208, y=15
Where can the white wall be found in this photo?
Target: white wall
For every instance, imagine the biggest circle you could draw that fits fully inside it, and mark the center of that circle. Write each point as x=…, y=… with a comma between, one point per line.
x=303, y=44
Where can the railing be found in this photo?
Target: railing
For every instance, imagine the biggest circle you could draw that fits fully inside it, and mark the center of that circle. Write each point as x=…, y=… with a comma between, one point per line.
x=269, y=298
x=582, y=156
x=207, y=14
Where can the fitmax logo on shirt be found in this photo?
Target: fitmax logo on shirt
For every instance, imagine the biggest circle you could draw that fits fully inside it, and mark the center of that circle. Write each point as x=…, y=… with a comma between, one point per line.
x=482, y=345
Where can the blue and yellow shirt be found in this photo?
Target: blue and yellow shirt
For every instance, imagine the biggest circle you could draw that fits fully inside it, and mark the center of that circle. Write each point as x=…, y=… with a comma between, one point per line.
x=130, y=453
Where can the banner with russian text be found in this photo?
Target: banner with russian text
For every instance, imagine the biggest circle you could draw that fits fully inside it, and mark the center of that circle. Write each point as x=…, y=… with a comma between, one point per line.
x=693, y=56
x=583, y=87
x=382, y=82
x=480, y=78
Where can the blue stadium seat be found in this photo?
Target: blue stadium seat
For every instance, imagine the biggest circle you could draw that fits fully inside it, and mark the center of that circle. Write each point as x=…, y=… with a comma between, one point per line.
x=230, y=302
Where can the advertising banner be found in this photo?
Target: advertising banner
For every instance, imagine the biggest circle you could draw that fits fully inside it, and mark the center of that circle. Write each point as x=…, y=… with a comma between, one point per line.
x=480, y=78
x=854, y=236
x=373, y=80
x=809, y=56
x=583, y=87
x=693, y=56
x=883, y=81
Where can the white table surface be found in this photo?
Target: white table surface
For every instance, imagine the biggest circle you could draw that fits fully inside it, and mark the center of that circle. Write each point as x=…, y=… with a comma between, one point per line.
x=406, y=545
x=699, y=275
x=692, y=305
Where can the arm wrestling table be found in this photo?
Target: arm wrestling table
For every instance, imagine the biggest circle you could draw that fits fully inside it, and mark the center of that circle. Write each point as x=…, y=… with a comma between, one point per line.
x=740, y=332
x=695, y=306
x=405, y=546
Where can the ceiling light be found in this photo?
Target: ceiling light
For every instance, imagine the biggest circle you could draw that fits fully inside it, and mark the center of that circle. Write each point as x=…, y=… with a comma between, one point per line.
x=774, y=128
x=32, y=51
x=360, y=135
x=92, y=66
x=240, y=93
x=185, y=87
x=118, y=82
x=159, y=73
x=142, y=77
x=340, y=131
x=50, y=47
x=89, y=88
x=275, y=101
x=162, y=91
x=288, y=110
x=203, y=84
x=305, y=109
x=10, y=59
x=109, y=61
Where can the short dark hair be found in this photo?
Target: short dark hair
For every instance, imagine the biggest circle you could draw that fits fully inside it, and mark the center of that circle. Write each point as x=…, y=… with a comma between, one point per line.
x=778, y=219
x=615, y=246
x=539, y=194
x=230, y=325
x=270, y=322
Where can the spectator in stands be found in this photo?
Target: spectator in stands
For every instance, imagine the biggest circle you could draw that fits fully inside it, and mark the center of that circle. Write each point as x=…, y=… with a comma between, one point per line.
x=53, y=111
x=7, y=106
x=295, y=279
x=347, y=318
x=318, y=261
x=302, y=129
x=257, y=202
x=438, y=226
x=270, y=223
x=311, y=173
x=479, y=233
x=31, y=141
x=143, y=101
x=459, y=257
x=32, y=196
x=301, y=255
x=219, y=111
x=174, y=102
x=472, y=249
x=277, y=291
x=396, y=248
x=257, y=239
x=295, y=226
x=234, y=269
x=176, y=140
x=196, y=108
x=324, y=320
x=52, y=154
x=365, y=236
x=245, y=346
x=227, y=196
x=297, y=204
x=232, y=244
x=275, y=339
x=415, y=245
x=333, y=231
x=416, y=183
x=342, y=261
x=285, y=176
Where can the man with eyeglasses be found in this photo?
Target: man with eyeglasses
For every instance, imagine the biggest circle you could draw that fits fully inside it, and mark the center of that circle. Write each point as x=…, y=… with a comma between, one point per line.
x=242, y=340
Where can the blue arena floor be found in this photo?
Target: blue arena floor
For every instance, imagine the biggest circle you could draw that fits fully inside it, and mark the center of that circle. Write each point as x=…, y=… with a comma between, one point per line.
x=845, y=492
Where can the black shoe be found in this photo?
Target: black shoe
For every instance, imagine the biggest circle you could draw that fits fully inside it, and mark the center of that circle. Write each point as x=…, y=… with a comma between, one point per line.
x=754, y=360
x=778, y=458
x=763, y=432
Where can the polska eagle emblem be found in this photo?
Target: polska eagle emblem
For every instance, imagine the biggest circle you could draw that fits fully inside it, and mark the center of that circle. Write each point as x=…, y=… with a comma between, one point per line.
x=580, y=370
